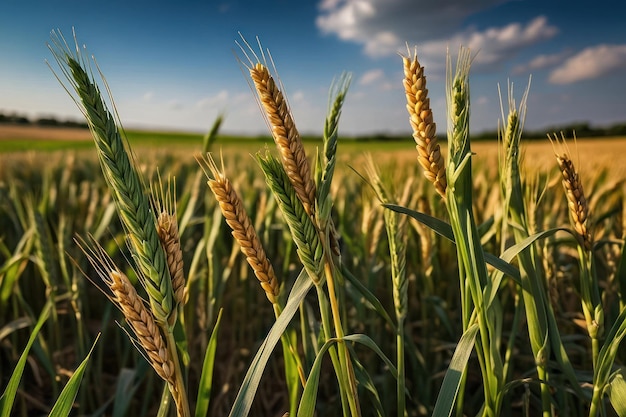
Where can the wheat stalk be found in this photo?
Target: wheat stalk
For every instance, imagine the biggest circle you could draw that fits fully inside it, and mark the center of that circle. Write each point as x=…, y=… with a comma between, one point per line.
x=242, y=229
x=421, y=119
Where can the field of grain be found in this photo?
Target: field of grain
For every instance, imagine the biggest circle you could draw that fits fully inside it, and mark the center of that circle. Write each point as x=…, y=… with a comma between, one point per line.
x=417, y=278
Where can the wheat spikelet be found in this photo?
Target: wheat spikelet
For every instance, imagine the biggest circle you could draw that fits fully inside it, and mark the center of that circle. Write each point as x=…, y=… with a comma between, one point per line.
x=421, y=118
x=285, y=135
x=576, y=201
x=242, y=229
x=147, y=332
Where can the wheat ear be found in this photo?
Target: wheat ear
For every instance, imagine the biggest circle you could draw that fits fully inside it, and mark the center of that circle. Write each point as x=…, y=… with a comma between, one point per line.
x=421, y=119
x=576, y=201
x=148, y=334
x=138, y=317
x=242, y=230
x=303, y=229
x=167, y=230
x=285, y=135
x=142, y=323
x=123, y=180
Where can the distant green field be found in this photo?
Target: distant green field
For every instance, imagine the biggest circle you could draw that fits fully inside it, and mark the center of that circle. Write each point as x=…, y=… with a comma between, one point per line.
x=192, y=141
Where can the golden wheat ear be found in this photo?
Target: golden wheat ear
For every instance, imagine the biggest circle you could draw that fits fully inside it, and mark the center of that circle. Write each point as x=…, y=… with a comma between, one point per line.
x=148, y=337
x=421, y=119
x=576, y=201
x=280, y=120
x=242, y=229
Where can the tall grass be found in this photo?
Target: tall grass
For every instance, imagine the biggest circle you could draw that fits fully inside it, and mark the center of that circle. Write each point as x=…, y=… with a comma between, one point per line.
x=409, y=289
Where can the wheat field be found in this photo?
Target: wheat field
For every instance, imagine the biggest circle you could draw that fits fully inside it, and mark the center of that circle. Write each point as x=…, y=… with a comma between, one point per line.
x=314, y=279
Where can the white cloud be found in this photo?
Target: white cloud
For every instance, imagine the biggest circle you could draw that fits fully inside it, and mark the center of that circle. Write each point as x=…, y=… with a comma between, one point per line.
x=298, y=96
x=592, y=62
x=371, y=77
x=175, y=105
x=218, y=99
x=148, y=96
x=492, y=46
x=541, y=62
x=377, y=80
x=384, y=26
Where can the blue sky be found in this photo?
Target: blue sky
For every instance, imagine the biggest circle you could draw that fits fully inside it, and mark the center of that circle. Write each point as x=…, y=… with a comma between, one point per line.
x=173, y=64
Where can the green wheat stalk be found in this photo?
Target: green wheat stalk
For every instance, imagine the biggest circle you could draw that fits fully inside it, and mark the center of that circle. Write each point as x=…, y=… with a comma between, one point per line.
x=472, y=267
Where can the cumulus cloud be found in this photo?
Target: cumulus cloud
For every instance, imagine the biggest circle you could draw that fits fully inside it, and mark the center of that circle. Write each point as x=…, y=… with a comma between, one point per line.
x=383, y=27
x=592, y=62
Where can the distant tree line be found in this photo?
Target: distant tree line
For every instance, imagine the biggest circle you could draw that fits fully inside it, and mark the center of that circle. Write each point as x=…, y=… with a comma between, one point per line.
x=14, y=118
x=582, y=130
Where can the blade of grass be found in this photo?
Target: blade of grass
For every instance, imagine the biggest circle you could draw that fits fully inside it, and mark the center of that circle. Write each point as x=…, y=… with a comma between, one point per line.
x=247, y=391
x=64, y=403
x=206, y=379
x=451, y=382
x=8, y=397
x=309, y=395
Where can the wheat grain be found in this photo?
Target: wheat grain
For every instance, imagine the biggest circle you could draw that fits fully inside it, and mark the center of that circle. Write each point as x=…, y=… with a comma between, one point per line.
x=421, y=119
